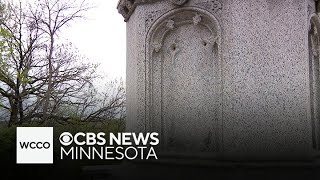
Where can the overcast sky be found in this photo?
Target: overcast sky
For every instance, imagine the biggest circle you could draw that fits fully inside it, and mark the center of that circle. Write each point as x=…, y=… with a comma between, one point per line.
x=101, y=37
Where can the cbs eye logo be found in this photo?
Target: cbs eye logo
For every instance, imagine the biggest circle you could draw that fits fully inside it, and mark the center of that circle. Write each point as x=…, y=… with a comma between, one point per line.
x=81, y=139
x=66, y=138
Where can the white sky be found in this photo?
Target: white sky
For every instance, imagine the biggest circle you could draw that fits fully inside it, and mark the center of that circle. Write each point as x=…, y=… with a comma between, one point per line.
x=101, y=37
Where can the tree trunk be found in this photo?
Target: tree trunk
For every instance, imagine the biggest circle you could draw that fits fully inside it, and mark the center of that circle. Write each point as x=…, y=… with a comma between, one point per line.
x=14, y=112
x=49, y=90
x=21, y=113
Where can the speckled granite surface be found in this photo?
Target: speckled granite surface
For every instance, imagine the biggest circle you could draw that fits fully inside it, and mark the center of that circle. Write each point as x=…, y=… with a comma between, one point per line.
x=231, y=77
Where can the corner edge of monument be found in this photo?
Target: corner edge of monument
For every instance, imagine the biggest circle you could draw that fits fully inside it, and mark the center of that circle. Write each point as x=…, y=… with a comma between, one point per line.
x=127, y=7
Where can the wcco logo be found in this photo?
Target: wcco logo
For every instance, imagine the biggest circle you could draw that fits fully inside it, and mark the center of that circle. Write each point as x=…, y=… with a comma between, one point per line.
x=34, y=145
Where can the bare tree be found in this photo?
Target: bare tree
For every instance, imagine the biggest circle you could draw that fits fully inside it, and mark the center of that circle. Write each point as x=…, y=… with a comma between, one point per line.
x=110, y=104
x=70, y=76
x=16, y=60
x=44, y=80
x=52, y=17
x=37, y=72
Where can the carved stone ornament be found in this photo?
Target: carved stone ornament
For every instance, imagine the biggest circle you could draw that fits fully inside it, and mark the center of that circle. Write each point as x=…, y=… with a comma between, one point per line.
x=157, y=46
x=179, y=2
x=127, y=7
x=196, y=19
x=170, y=24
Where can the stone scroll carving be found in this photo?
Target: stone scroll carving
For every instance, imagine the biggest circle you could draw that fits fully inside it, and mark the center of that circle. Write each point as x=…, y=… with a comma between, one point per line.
x=314, y=68
x=184, y=80
x=127, y=7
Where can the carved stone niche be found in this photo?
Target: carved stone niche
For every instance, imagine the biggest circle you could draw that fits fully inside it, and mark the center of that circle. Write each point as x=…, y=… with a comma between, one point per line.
x=184, y=95
x=314, y=74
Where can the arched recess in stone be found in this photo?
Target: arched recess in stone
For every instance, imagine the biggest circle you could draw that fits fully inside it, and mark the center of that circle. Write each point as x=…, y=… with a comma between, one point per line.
x=314, y=78
x=183, y=80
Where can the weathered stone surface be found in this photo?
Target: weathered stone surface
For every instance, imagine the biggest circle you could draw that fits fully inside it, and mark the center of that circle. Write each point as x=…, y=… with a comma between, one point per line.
x=127, y=7
x=232, y=77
